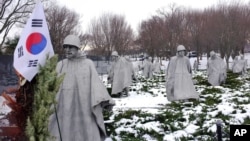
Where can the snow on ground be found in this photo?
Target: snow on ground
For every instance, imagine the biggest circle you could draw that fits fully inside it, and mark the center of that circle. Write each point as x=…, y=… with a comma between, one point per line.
x=146, y=114
x=156, y=103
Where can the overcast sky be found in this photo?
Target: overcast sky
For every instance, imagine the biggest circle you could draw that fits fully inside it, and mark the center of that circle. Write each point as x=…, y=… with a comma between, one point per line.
x=134, y=10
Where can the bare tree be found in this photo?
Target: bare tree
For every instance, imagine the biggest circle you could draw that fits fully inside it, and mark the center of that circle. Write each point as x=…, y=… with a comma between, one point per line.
x=13, y=12
x=223, y=28
x=175, y=26
x=110, y=32
x=209, y=34
x=195, y=26
x=84, y=38
x=162, y=33
x=152, y=36
x=229, y=28
x=61, y=22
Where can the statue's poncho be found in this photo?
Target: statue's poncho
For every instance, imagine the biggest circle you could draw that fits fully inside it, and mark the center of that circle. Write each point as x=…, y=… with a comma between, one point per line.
x=121, y=75
x=156, y=67
x=79, y=102
x=179, y=84
x=131, y=70
x=216, y=71
x=136, y=66
x=239, y=65
x=147, y=69
x=195, y=65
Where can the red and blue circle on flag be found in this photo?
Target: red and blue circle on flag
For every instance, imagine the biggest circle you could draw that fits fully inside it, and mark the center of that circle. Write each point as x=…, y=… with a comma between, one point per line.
x=36, y=43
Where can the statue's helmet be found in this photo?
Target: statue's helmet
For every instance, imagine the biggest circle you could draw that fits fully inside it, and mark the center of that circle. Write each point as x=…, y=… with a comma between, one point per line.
x=180, y=48
x=212, y=53
x=72, y=40
x=114, y=53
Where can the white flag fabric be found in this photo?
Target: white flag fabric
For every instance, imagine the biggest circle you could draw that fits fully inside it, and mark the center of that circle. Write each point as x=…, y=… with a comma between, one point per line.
x=34, y=44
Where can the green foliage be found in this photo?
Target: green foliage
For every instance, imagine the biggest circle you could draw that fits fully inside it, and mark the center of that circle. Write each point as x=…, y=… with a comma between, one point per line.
x=232, y=81
x=148, y=84
x=171, y=118
x=152, y=133
x=248, y=78
x=211, y=90
x=144, y=88
x=212, y=100
x=107, y=114
x=243, y=110
x=192, y=117
x=204, y=132
x=247, y=94
x=201, y=118
x=175, y=105
x=48, y=84
x=231, y=75
x=236, y=100
x=201, y=80
x=127, y=136
x=130, y=113
x=172, y=121
x=159, y=78
x=110, y=126
x=223, y=117
x=246, y=121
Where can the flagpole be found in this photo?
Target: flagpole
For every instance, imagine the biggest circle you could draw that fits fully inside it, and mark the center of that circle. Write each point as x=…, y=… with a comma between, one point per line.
x=58, y=123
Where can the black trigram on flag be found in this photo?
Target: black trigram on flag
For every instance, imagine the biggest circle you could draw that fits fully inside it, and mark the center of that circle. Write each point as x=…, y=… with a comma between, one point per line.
x=32, y=63
x=20, y=51
x=37, y=23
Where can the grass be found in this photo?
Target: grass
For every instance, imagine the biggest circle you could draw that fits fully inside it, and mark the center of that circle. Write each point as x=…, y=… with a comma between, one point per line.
x=200, y=80
x=232, y=81
x=212, y=90
x=171, y=117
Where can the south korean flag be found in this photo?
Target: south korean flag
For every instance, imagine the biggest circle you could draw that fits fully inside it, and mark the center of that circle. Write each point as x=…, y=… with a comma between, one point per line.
x=34, y=44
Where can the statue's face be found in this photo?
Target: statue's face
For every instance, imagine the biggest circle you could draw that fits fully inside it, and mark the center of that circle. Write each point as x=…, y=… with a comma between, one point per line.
x=70, y=51
x=242, y=57
x=114, y=58
x=181, y=53
x=150, y=59
x=213, y=55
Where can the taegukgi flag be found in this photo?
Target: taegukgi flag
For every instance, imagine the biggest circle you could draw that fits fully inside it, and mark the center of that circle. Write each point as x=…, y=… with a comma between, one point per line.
x=34, y=44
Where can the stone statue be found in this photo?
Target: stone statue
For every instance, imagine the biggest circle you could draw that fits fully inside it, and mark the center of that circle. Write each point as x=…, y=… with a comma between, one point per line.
x=179, y=84
x=157, y=66
x=239, y=65
x=216, y=70
x=81, y=98
x=196, y=65
x=120, y=75
x=147, y=67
